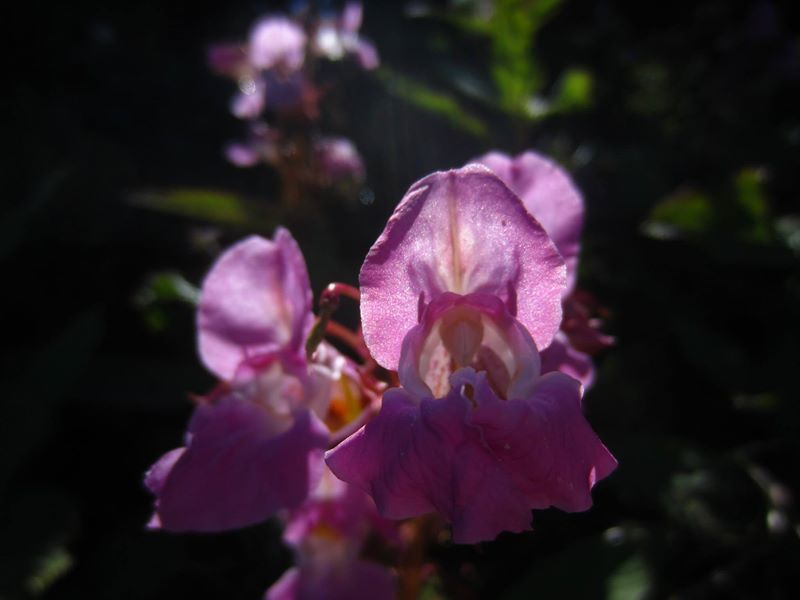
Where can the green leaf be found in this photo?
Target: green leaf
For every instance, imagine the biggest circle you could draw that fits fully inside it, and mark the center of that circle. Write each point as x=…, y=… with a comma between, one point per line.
x=167, y=286
x=752, y=201
x=629, y=581
x=215, y=206
x=573, y=91
x=686, y=212
x=513, y=29
x=55, y=563
x=432, y=101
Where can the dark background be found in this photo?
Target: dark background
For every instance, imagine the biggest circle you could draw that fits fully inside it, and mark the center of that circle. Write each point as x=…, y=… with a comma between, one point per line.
x=680, y=123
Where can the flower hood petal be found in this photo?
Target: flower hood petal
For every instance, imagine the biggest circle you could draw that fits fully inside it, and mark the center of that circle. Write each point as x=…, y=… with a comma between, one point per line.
x=256, y=299
x=459, y=231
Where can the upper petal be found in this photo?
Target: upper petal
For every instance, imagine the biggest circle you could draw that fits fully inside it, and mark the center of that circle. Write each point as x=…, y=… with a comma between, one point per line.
x=256, y=299
x=548, y=193
x=461, y=231
x=236, y=470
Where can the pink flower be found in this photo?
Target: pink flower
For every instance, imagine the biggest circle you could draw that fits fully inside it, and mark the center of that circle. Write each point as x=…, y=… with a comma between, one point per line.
x=327, y=534
x=475, y=433
x=277, y=42
x=255, y=445
x=336, y=38
x=338, y=159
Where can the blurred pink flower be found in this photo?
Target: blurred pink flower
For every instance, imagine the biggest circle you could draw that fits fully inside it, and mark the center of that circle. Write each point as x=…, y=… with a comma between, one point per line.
x=327, y=534
x=255, y=445
x=277, y=42
x=337, y=159
x=338, y=37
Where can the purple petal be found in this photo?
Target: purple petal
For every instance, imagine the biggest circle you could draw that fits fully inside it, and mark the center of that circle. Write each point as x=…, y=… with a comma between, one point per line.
x=367, y=55
x=287, y=587
x=546, y=445
x=337, y=158
x=256, y=299
x=250, y=101
x=355, y=580
x=228, y=59
x=361, y=459
x=240, y=466
x=549, y=195
x=462, y=231
x=242, y=155
x=561, y=356
x=480, y=461
x=338, y=507
x=277, y=42
x=352, y=15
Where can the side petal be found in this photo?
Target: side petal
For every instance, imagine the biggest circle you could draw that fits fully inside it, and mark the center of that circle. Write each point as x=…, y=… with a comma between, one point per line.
x=546, y=445
x=561, y=356
x=373, y=458
x=256, y=299
x=287, y=587
x=549, y=194
x=460, y=231
x=237, y=470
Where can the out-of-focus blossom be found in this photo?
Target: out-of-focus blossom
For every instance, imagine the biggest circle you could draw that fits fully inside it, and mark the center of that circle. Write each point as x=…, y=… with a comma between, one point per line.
x=338, y=37
x=229, y=60
x=250, y=101
x=254, y=446
x=277, y=42
x=549, y=195
x=475, y=433
x=275, y=82
x=580, y=337
x=263, y=145
x=327, y=535
x=337, y=159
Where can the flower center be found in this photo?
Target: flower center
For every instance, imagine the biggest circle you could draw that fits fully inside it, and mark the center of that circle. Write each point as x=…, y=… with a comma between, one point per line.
x=465, y=337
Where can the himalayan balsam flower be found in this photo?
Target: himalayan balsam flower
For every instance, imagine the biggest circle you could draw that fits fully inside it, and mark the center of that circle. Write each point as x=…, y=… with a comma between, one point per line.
x=338, y=37
x=549, y=195
x=255, y=445
x=337, y=159
x=458, y=293
x=327, y=534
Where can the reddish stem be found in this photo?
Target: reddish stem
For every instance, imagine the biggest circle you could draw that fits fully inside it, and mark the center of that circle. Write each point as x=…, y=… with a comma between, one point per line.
x=335, y=290
x=349, y=337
